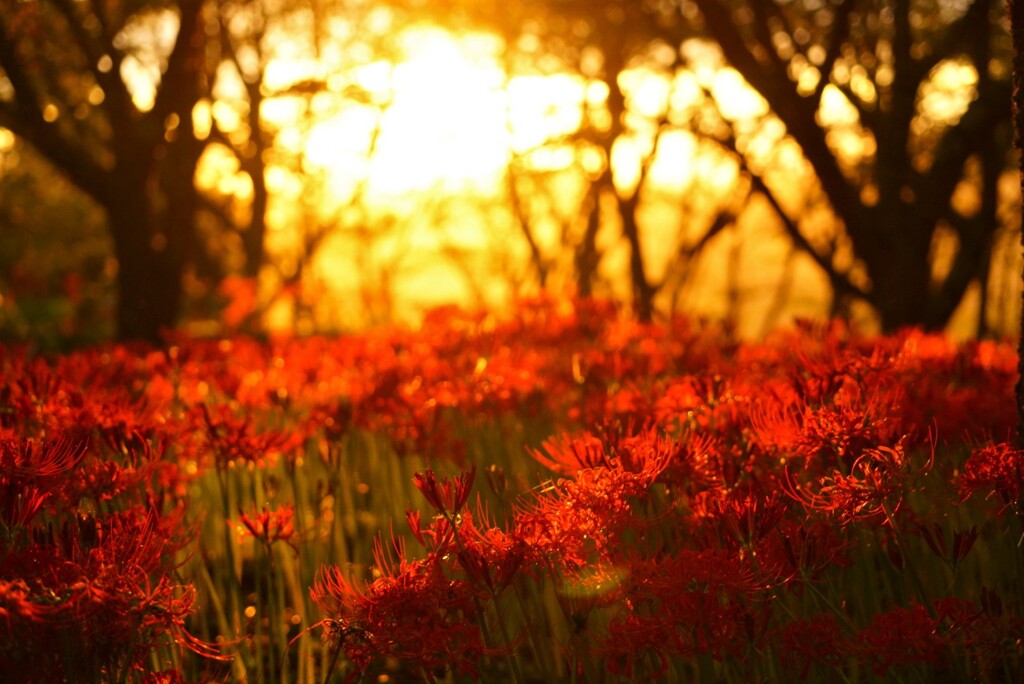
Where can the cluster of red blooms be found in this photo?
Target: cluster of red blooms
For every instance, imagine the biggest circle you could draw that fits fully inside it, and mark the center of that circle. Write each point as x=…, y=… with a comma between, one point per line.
x=815, y=503
x=88, y=556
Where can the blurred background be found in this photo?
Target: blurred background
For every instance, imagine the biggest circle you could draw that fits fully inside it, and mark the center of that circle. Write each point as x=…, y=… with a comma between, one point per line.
x=279, y=166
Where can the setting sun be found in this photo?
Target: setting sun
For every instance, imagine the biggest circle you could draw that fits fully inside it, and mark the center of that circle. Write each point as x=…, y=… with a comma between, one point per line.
x=396, y=158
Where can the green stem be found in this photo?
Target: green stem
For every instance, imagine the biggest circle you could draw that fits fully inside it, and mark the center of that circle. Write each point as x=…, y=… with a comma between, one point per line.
x=542, y=657
x=236, y=586
x=334, y=663
x=911, y=566
x=513, y=664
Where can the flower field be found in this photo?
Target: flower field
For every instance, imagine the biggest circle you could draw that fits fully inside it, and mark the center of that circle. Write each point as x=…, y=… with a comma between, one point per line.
x=562, y=495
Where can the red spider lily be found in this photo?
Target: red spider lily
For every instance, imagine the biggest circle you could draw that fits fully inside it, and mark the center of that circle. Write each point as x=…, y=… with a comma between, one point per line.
x=679, y=401
x=269, y=526
x=824, y=436
x=102, y=588
x=817, y=640
x=636, y=646
x=749, y=518
x=438, y=537
x=490, y=556
x=571, y=520
x=711, y=401
x=874, y=489
x=28, y=469
x=29, y=459
x=903, y=636
x=968, y=391
x=140, y=475
x=703, y=462
x=996, y=469
x=36, y=400
x=123, y=423
x=412, y=612
x=447, y=496
x=646, y=454
x=235, y=440
x=683, y=605
x=566, y=454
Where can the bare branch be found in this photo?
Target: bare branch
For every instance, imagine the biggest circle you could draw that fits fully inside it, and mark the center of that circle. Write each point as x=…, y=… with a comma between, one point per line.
x=179, y=81
x=795, y=111
x=840, y=33
x=24, y=117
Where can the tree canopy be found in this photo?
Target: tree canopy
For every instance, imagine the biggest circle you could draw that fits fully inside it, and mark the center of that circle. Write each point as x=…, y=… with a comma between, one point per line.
x=899, y=112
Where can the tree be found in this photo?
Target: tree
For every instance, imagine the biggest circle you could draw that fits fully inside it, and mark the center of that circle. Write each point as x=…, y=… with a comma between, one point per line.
x=898, y=202
x=56, y=284
x=894, y=202
x=595, y=42
x=105, y=92
x=1016, y=13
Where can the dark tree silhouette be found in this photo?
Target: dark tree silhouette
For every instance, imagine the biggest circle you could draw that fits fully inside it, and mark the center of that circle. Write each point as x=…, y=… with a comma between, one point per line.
x=896, y=202
x=892, y=205
x=65, y=92
x=1016, y=13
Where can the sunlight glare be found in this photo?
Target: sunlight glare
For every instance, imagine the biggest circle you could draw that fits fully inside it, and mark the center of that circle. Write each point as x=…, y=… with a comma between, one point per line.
x=7, y=140
x=545, y=107
x=736, y=99
x=672, y=166
x=442, y=124
x=836, y=110
x=948, y=92
x=147, y=39
x=649, y=92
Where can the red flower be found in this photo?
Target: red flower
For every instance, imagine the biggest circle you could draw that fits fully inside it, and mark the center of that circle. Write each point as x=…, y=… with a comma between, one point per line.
x=28, y=469
x=874, y=489
x=236, y=440
x=749, y=518
x=994, y=470
x=446, y=496
x=270, y=526
x=814, y=641
x=903, y=636
x=103, y=589
x=566, y=454
x=412, y=612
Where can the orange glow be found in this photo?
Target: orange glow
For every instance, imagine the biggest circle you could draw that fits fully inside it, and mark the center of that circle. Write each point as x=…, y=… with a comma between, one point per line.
x=945, y=97
x=383, y=143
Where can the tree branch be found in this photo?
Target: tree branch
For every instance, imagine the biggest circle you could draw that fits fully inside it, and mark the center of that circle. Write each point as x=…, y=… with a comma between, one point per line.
x=795, y=111
x=840, y=33
x=24, y=117
x=179, y=82
x=987, y=112
x=840, y=283
x=117, y=100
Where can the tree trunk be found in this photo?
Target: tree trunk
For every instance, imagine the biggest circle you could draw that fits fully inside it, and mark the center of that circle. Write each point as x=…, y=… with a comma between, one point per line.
x=1016, y=12
x=254, y=235
x=148, y=275
x=901, y=290
x=586, y=257
x=152, y=221
x=643, y=293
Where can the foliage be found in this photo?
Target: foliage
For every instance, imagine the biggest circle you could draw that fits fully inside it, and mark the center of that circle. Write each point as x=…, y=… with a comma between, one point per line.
x=562, y=495
x=877, y=147
x=895, y=196
x=57, y=286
